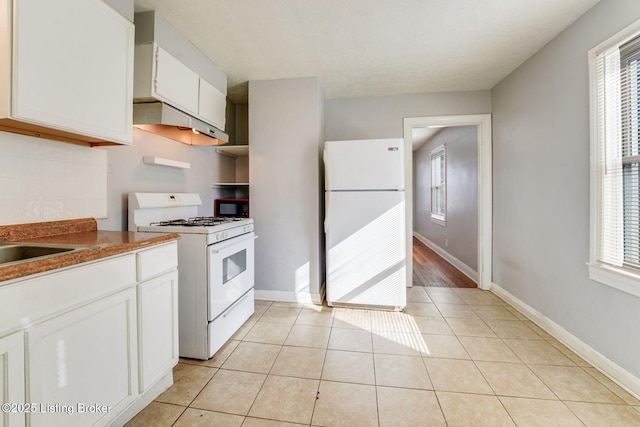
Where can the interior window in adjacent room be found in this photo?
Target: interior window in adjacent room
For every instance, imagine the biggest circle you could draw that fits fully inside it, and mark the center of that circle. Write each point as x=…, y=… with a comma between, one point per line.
x=438, y=185
x=615, y=166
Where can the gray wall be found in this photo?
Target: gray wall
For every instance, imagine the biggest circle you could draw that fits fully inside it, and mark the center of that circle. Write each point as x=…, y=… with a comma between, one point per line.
x=241, y=124
x=285, y=130
x=541, y=190
x=459, y=237
x=382, y=116
x=152, y=27
x=124, y=7
x=128, y=173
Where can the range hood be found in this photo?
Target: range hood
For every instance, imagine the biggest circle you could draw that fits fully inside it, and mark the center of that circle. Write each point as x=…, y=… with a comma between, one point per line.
x=162, y=119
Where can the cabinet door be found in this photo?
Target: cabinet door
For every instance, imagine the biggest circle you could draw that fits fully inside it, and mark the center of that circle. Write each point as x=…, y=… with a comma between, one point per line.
x=84, y=361
x=212, y=104
x=176, y=83
x=158, y=328
x=73, y=68
x=12, y=378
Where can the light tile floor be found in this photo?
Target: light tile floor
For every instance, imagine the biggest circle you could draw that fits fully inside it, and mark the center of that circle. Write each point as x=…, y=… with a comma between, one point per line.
x=456, y=357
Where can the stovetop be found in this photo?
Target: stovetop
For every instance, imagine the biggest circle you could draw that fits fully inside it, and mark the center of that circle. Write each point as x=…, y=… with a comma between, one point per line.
x=199, y=221
x=202, y=225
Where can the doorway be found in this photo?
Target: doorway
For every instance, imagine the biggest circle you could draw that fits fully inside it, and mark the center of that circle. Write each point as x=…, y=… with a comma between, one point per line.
x=482, y=123
x=432, y=270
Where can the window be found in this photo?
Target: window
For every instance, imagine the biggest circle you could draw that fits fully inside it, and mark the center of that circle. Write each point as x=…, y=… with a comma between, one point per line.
x=615, y=168
x=438, y=185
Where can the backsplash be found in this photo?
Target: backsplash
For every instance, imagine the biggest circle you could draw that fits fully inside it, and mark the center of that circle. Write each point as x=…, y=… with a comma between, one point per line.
x=44, y=180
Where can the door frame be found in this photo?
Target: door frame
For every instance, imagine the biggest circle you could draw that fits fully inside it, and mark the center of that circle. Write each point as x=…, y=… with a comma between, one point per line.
x=485, y=186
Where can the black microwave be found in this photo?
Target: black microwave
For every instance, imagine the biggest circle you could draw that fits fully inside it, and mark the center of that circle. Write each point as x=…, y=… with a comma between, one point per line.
x=231, y=207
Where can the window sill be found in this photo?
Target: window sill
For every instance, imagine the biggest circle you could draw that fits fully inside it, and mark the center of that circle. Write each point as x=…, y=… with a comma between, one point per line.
x=439, y=220
x=618, y=278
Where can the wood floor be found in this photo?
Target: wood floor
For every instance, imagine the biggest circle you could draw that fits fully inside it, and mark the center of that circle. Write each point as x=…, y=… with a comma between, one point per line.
x=430, y=269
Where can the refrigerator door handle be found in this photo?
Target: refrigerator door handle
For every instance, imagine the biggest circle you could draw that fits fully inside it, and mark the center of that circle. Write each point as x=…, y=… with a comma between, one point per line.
x=327, y=193
x=327, y=185
x=327, y=203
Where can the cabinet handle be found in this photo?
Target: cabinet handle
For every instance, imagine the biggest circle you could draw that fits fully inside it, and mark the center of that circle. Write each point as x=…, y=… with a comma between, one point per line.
x=216, y=251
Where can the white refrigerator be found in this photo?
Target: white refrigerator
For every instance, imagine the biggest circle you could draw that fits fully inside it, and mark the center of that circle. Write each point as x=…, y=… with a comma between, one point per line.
x=365, y=223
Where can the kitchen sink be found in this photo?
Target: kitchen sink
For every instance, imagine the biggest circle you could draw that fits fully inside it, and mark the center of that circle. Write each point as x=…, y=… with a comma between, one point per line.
x=13, y=253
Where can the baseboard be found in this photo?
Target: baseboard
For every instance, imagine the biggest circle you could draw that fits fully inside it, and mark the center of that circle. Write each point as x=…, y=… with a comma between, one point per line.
x=461, y=266
x=609, y=368
x=318, y=299
x=284, y=296
x=145, y=399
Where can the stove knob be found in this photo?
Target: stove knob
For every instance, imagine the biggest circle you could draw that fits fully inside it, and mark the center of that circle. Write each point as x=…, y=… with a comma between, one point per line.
x=218, y=236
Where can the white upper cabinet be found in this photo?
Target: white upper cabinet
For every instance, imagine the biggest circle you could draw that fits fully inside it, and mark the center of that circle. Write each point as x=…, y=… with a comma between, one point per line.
x=159, y=76
x=175, y=83
x=212, y=104
x=68, y=71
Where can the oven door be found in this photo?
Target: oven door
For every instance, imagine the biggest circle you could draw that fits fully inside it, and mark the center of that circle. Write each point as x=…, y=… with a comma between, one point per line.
x=230, y=272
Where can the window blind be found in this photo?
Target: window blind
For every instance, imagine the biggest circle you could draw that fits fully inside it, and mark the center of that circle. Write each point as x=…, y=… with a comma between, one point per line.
x=611, y=218
x=618, y=98
x=630, y=149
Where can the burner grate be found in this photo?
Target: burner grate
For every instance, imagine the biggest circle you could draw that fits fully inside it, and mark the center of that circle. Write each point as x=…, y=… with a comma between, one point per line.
x=198, y=221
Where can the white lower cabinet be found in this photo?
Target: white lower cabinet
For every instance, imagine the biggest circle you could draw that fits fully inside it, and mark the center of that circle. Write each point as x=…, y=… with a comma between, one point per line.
x=12, y=380
x=89, y=345
x=157, y=328
x=82, y=365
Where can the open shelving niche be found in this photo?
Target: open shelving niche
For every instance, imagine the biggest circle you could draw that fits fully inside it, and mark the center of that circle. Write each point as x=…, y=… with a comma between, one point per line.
x=233, y=150
x=239, y=188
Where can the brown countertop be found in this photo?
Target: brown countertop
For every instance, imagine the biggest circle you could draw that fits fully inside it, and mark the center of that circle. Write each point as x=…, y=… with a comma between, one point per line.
x=82, y=232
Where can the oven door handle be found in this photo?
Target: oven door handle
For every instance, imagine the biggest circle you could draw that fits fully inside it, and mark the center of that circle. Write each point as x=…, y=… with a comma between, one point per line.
x=216, y=251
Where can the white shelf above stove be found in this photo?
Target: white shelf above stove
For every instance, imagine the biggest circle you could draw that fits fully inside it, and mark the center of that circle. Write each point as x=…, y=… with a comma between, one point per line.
x=166, y=162
x=233, y=150
x=229, y=184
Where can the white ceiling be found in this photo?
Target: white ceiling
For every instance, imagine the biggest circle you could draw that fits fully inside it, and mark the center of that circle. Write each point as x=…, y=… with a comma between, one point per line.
x=369, y=47
x=420, y=136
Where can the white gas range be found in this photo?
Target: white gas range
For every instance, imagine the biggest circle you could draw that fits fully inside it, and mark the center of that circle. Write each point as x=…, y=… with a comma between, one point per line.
x=215, y=265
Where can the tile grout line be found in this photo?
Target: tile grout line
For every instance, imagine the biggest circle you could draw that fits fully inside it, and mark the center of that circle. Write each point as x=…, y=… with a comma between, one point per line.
x=324, y=361
x=524, y=363
x=583, y=369
x=478, y=368
x=271, y=367
x=221, y=368
x=375, y=377
x=217, y=369
x=528, y=365
x=495, y=394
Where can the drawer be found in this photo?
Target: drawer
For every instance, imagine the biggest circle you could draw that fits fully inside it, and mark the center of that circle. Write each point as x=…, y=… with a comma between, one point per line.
x=223, y=328
x=28, y=301
x=157, y=260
